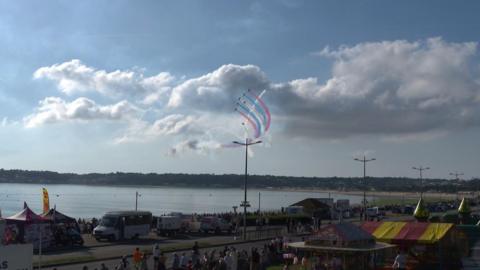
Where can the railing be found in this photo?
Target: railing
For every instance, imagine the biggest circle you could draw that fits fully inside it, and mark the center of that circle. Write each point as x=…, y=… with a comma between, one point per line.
x=264, y=233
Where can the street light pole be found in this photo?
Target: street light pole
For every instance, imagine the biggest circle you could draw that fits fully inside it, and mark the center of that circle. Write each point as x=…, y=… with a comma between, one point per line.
x=245, y=203
x=136, y=199
x=259, y=198
x=456, y=174
x=421, y=169
x=364, y=161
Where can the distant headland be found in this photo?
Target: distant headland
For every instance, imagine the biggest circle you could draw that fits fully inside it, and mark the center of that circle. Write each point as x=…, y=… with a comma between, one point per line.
x=389, y=184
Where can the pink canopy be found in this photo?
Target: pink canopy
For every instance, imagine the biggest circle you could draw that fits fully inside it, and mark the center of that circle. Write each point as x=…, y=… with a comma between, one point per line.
x=27, y=215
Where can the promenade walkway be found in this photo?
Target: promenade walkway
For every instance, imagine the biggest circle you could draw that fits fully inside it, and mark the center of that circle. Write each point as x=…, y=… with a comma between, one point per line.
x=94, y=251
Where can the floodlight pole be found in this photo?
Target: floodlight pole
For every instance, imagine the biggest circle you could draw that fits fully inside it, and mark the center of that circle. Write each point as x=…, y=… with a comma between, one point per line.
x=421, y=169
x=245, y=202
x=364, y=161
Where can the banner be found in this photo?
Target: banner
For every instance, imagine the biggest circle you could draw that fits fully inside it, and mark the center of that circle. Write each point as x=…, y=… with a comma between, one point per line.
x=46, y=201
x=16, y=257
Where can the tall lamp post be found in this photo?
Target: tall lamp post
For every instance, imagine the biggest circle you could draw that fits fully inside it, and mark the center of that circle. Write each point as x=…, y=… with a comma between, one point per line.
x=456, y=174
x=421, y=169
x=364, y=161
x=245, y=203
x=136, y=199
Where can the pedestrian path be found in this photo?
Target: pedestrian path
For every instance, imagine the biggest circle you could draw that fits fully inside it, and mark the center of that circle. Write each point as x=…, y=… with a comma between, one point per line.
x=112, y=263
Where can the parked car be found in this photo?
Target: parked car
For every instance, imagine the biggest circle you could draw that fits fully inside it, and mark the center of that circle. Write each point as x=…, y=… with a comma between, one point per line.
x=408, y=210
x=67, y=237
x=215, y=225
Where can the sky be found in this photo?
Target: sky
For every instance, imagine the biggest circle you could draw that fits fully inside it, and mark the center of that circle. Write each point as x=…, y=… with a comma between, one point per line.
x=153, y=86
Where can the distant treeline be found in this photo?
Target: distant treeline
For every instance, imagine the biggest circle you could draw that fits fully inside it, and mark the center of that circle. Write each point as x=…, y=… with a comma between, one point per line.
x=236, y=181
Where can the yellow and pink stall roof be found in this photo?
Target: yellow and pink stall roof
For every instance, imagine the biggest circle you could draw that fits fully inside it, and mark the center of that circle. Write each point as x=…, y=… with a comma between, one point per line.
x=395, y=232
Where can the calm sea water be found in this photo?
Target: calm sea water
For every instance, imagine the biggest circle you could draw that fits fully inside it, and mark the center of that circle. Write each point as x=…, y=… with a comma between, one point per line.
x=93, y=201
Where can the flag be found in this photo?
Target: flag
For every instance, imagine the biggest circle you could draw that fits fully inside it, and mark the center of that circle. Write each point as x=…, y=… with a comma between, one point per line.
x=46, y=201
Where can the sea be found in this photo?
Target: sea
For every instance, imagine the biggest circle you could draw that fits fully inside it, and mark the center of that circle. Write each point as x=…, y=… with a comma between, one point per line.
x=84, y=201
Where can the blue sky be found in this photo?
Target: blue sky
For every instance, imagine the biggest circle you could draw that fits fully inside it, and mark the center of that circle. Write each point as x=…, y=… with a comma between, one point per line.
x=150, y=86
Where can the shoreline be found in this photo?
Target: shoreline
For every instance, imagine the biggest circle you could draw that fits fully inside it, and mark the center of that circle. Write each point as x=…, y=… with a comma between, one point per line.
x=375, y=194
x=378, y=194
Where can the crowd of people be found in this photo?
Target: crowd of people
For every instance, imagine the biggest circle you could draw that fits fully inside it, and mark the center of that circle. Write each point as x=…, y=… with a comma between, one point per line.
x=87, y=226
x=226, y=258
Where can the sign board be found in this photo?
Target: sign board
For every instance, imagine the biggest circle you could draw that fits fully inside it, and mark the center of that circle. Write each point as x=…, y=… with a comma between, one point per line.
x=2, y=231
x=343, y=204
x=16, y=257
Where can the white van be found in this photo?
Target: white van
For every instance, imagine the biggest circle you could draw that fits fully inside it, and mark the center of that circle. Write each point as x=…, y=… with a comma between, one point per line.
x=375, y=212
x=215, y=224
x=169, y=225
x=191, y=223
x=123, y=225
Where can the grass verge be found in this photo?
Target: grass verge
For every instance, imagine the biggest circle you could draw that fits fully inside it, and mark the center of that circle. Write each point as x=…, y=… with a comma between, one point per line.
x=69, y=260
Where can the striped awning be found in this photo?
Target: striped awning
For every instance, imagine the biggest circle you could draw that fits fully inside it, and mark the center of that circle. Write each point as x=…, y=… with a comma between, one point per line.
x=401, y=232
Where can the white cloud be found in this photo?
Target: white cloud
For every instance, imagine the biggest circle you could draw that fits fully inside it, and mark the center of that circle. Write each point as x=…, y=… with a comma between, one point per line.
x=397, y=88
x=54, y=109
x=387, y=88
x=392, y=89
x=170, y=125
x=219, y=89
x=75, y=77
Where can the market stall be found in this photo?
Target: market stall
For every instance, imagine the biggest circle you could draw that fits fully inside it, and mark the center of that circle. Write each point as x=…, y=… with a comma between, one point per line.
x=437, y=245
x=65, y=229
x=28, y=227
x=57, y=217
x=344, y=246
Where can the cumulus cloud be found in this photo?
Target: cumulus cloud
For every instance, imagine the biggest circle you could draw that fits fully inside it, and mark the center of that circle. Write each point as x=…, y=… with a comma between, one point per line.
x=390, y=88
x=217, y=90
x=394, y=89
x=54, y=109
x=387, y=88
x=75, y=77
x=174, y=124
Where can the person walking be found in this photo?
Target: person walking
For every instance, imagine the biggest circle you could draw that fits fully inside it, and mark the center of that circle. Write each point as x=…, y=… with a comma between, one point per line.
x=103, y=267
x=205, y=261
x=176, y=262
x=156, y=255
x=254, y=260
x=221, y=264
x=124, y=265
x=195, y=253
x=400, y=261
x=144, y=262
x=162, y=262
x=234, y=256
x=228, y=260
x=137, y=258
x=183, y=261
